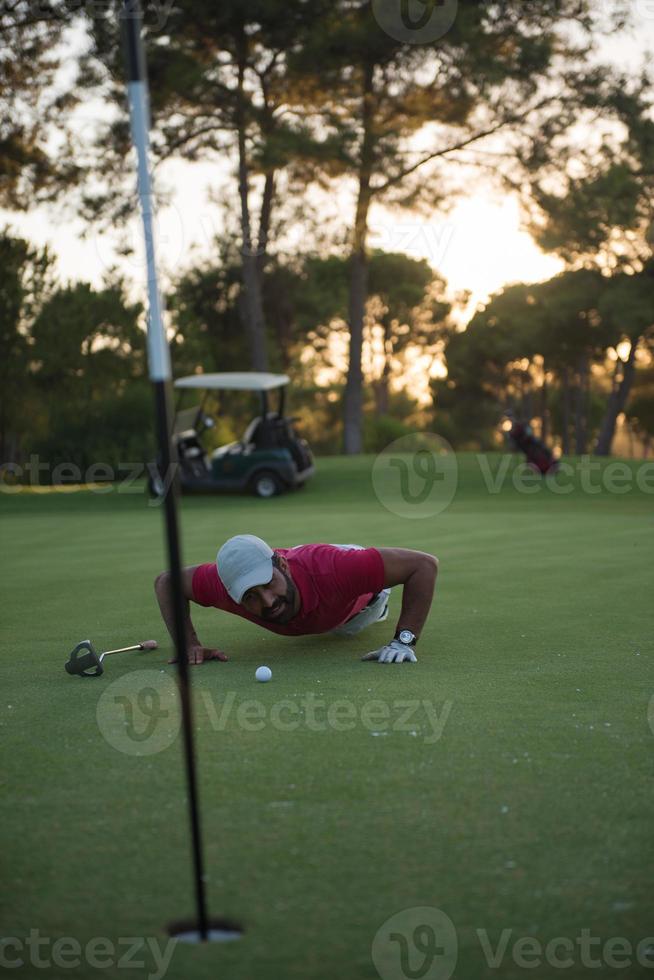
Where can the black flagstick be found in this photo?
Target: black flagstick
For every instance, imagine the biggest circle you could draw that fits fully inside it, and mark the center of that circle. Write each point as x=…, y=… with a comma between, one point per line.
x=160, y=375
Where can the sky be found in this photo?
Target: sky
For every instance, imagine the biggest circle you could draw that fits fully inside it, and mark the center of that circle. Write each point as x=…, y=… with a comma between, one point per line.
x=478, y=247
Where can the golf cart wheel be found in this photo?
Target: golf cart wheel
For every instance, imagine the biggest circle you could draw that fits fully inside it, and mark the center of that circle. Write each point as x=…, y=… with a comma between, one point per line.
x=266, y=484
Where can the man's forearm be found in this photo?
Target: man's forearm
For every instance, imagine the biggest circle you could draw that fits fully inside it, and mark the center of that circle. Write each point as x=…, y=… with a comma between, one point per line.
x=164, y=595
x=417, y=596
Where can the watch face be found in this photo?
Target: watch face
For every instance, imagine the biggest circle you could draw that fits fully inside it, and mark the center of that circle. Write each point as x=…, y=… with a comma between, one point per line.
x=406, y=636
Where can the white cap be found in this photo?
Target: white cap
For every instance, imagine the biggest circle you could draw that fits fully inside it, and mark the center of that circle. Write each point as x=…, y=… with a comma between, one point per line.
x=243, y=562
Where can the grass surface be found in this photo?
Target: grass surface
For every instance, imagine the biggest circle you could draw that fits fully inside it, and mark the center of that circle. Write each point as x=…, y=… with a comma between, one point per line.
x=532, y=812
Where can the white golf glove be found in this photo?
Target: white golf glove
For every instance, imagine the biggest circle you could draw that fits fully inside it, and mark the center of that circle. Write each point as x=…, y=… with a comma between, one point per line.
x=393, y=653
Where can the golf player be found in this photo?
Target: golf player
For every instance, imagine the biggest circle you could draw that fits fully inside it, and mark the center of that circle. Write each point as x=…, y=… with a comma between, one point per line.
x=311, y=588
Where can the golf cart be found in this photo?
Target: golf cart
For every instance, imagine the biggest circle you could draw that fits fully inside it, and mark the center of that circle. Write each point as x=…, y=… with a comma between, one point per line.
x=267, y=460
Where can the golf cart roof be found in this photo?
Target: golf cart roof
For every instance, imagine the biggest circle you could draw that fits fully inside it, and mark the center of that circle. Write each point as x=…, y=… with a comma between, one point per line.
x=235, y=381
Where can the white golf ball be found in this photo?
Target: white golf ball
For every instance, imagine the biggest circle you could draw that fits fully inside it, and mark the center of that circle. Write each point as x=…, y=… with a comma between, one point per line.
x=263, y=674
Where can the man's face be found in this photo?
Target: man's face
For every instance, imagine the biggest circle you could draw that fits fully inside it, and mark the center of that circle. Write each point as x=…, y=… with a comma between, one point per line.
x=277, y=601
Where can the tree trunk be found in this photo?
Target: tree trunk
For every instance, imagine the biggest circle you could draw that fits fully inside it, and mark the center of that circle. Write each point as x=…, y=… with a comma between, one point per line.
x=527, y=400
x=616, y=403
x=353, y=396
x=4, y=455
x=382, y=385
x=565, y=393
x=381, y=397
x=251, y=309
x=544, y=412
x=264, y=221
x=580, y=407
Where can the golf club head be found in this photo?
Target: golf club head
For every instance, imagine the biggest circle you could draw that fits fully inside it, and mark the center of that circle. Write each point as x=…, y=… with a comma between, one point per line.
x=84, y=664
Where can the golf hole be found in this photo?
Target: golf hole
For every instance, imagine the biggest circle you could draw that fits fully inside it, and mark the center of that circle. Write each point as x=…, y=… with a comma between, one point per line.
x=218, y=931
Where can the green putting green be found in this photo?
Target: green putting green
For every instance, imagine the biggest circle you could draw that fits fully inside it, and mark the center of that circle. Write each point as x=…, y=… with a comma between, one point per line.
x=505, y=779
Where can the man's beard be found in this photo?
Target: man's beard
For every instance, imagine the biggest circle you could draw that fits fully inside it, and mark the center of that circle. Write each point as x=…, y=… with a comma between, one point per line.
x=283, y=609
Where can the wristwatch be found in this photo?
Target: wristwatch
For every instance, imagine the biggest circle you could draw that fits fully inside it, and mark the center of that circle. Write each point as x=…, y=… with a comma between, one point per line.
x=407, y=637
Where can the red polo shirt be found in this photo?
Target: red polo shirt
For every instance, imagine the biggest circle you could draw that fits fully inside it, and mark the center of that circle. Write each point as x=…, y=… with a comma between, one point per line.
x=334, y=585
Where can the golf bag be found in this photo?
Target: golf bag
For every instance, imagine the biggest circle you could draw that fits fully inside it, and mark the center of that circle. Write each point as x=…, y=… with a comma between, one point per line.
x=521, y=438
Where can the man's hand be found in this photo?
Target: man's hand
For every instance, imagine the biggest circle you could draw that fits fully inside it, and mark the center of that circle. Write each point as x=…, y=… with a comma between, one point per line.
x=198, y=654
x=393, y=653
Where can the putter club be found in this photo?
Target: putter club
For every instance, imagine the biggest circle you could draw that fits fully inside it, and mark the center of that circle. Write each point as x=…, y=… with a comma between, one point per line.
x=89, y=664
